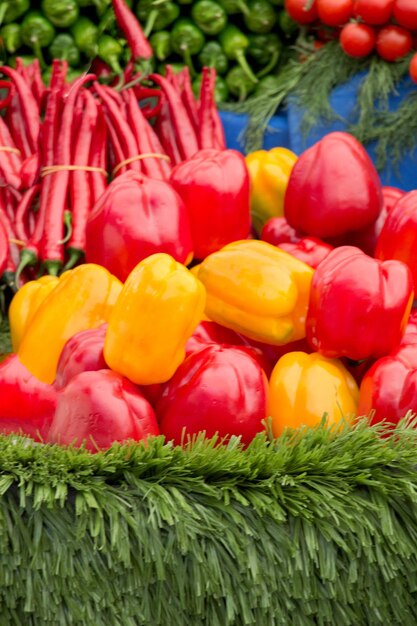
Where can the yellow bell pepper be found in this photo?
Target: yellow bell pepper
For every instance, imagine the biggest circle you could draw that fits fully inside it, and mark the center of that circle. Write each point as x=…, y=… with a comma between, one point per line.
x=160, y=306
x=82, y=299
x=258, y=290
x=269, y=173
x=25, y=304
x=303, y=387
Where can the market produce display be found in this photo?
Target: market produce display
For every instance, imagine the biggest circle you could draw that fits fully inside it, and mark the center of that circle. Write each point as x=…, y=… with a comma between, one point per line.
x=242, y=41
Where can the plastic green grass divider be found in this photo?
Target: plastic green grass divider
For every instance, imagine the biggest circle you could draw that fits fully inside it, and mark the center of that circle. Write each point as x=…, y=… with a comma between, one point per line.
x=313, y=529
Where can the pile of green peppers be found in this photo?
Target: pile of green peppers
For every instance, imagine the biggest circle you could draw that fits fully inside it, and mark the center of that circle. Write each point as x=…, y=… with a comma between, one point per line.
x=245, y=40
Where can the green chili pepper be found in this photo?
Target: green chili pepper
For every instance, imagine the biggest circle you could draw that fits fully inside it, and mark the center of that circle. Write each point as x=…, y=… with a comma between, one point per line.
x=61, y=13
x=221, y=91
x=63, y=47
x=234, y=44
x=37, y=33
x=209, y=16
x=11, y=37
x=232, y=7
x=238, y=83
x=85, y=34
x=261, y=17
x=110, y=51
x=156, y=14
x=212, y=55
x=288, y=26
x=11, y=10
x=161, y=44
x=266, y=50
x=186, y=40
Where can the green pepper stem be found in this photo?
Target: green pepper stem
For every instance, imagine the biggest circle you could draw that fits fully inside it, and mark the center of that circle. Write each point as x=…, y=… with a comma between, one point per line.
x=242, y=6
x=272, y=63
x=27, y=258
x=241, y=59
x=53, y=267
x=38, y=54
x=189, y=61
x=68, y=227
x=75, y=255
x=150, y=22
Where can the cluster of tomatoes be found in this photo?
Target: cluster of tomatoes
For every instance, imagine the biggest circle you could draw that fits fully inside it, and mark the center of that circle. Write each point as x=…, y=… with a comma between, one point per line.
x=388, y=27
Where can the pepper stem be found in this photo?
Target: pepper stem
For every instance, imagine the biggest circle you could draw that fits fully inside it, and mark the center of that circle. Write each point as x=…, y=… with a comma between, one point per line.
x=150, y=22
x=75, y=255
x=189, y=61
x=27, y=258
x=241, y=59
x=68, y=227
x=38, y=53
x=53, y=267
x=242, y=7
x=272, y=63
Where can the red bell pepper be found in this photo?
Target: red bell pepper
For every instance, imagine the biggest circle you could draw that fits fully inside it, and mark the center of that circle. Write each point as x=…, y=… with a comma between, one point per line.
x=358, y=306
x=398, y=238
x=134, y=218
x=209, y=333
x=82, y=353
x=367, y=238
x=214, y=185
x=219, y=389
x=389, y=388
x=310, y=250
x=101, y=408
x=27, y=405
x=333, y=188
x=277, y=230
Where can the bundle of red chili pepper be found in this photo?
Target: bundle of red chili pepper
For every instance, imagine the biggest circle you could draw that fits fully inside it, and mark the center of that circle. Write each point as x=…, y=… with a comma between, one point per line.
x=61, y=145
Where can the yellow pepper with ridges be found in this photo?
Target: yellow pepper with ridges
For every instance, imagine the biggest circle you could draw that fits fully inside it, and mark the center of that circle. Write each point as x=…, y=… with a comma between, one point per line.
x=303, y=387
x=257, y=290
x=160, y=306
x=82, y=299
x=24, y=305
x=269, y=173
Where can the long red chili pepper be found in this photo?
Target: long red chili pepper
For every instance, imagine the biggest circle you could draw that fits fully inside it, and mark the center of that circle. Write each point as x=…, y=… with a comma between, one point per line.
x=119, y=125
x=7, y=86
x=205, y=118
x=4, y=248
x=156, y=147
x=151, y=166
x=22, y=213
x=10, y=161
x=186, y=137
x=80, y=186
x=37, y=84
x=98, y=156
x=132, y=30
x=166, y=135
x=13, y=253
x=29, y=107
x=187, y=96
x=16, y=126
x=52, y=250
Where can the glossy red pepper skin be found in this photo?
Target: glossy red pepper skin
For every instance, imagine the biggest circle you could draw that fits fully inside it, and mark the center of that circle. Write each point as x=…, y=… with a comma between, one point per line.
x=389, y=388
x=333, y=188
x=27, y=405
x=4, y=248
x=136, y=217
x=310, y=250
x=367, y=238
x=101, y=408
x=219, y=389
x=82, y=353
x=359, y=306
x=277, y=230
x=398, y=238
x=209, y=333
x=214, y=185
x=129, y=25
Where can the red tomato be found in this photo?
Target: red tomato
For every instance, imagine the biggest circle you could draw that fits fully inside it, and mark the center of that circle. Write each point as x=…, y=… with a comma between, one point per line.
x=405, y=12
x=298, y=11
x=374, y=12
x=413, y=68
x=357, y=40
x=334, y=12
x=393, y=42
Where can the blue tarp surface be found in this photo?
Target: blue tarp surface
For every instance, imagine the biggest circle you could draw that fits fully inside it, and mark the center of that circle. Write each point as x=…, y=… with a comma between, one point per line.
x=284, y=130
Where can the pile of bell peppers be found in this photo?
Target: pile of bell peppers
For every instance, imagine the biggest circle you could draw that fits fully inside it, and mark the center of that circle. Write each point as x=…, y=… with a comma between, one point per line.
x=242, y=40
x=312, y=321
